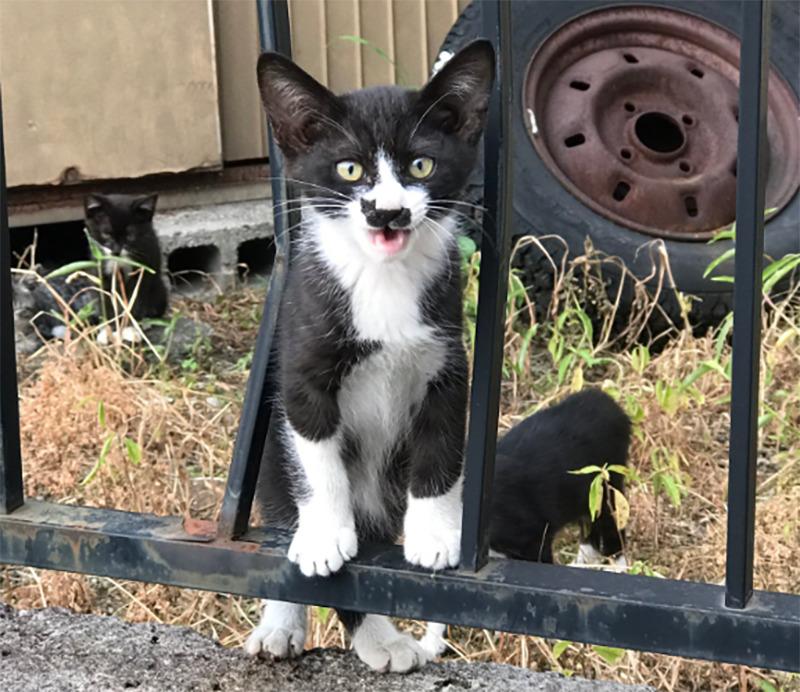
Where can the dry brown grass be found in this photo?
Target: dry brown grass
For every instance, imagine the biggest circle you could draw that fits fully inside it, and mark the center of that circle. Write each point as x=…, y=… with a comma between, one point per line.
x=184, y=419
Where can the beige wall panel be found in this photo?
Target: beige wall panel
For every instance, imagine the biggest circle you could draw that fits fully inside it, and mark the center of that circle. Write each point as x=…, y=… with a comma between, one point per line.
x=462, y=4
x=309, y=37
x=440, y=16
x=108, y=89
x=236, y=30
x=410, y=42
x=377, y=27
x=344, y=54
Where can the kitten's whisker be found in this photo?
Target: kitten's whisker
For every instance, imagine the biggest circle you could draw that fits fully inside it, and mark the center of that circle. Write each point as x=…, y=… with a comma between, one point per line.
x=310, y=184
x=428, y=110
x=324, y=118
x=471, y=222
x=460, y=202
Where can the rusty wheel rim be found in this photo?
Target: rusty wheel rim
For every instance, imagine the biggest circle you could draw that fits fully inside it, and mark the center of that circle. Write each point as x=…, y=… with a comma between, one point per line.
x=635, y=111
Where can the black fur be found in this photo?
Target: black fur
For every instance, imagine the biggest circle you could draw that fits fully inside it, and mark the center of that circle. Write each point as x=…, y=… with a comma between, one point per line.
x=124, y=225
x=535, y=496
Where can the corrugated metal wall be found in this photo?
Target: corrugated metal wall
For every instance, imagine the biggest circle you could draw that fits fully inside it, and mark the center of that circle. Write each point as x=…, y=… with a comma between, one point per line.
x=125, y=88
x=392, y=41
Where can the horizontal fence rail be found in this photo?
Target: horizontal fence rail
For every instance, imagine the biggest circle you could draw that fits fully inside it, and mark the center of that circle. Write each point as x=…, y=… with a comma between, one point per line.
x=733, y=623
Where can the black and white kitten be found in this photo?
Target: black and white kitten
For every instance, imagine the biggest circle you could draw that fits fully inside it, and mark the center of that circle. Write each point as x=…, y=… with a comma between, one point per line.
x=122, y=225
x=39, y=315
x=366, y=439
x=535, y=496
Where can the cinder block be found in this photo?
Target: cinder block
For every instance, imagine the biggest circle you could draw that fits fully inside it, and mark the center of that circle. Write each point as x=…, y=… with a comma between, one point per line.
x=203, y=246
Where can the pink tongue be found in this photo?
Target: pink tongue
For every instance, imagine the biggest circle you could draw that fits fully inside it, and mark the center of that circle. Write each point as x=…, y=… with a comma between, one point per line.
x=388, y=240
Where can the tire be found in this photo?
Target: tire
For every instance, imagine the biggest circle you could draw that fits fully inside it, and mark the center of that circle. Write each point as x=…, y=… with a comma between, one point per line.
x=544, y=207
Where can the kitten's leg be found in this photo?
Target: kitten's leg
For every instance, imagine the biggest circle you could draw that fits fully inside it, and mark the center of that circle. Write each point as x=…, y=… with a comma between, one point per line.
x=281, y=632
x=326, y=532
x=380, y=645
x=587, y=555
x=432, y=524
x=433, y=641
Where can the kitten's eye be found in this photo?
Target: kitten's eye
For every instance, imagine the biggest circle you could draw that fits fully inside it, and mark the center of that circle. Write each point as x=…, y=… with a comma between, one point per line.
x=351, y=171
x=421, y=168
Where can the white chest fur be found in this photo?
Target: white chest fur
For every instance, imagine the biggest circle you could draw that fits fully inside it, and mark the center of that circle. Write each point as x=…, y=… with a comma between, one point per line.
x=377, y=401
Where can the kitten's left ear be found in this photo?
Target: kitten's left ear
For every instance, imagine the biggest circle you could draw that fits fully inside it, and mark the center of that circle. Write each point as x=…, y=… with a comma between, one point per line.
x=457, y=97
x=146, y=205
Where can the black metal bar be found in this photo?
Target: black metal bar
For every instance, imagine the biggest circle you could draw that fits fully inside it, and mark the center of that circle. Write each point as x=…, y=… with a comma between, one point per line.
x=11, y=492
x=488, y=360
x=672, y=617
x=751, y=182
x=254, y=422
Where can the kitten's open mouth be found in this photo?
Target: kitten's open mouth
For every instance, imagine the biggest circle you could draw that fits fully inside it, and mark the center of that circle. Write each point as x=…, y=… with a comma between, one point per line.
x=389, y=240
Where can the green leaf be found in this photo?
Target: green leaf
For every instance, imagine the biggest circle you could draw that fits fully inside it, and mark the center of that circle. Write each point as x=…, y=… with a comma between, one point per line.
x=725, y=234
x=133, y=450
x=585, y=470
x=323, y=614
x=71, y=268
x=623, y=471
x=609, y=654
x=524, y=346
x=672, y=489
x=722, y=279
x=766, y=686
x=467, y=247
x=724, y=257
x=596, y=496
x=559, y=648
x=101, y=460
x=778, y=270
x=101, y=414
x=640, y=358
x=622, y=509
x=564, y=366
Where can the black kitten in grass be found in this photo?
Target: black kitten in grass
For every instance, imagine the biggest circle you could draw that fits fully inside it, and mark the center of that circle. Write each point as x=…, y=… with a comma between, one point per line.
x=535, y=495
x=122, y=226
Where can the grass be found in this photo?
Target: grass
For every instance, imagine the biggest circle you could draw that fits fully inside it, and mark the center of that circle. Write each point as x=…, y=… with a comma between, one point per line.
x=147, y=435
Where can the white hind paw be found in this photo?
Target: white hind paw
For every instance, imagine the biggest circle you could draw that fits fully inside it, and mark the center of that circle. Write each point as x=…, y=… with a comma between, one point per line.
x=281, y=632
x=384, y=649
x=277, y=643
x=433, y=641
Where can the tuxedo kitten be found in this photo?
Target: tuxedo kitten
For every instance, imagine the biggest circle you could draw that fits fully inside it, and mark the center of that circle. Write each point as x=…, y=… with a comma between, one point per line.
x=534, y=494
x=40, y=310
x=122, y=225
x=366, y=437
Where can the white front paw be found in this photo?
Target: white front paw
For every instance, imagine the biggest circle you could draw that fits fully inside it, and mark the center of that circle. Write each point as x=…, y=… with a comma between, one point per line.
x=433, y=548
x=432, y=529
x=321, y=549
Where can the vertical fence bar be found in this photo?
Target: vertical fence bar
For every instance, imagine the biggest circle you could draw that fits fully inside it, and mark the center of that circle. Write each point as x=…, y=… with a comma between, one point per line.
x=485, y=392
x=752, y=175
x=11, y=496
x=274, y=33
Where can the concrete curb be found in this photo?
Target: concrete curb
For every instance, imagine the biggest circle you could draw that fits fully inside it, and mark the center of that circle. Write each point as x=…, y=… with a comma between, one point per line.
x=54, y=649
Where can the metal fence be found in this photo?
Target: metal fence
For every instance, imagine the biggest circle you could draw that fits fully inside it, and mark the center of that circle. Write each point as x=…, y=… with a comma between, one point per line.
x=733, y=623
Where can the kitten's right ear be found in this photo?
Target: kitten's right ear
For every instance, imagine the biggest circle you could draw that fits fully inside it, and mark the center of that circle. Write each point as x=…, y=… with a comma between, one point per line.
x=92, y=204
x=297, y=104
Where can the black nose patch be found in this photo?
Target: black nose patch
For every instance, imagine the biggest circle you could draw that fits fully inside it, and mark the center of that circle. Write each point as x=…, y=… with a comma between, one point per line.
x=380, y=218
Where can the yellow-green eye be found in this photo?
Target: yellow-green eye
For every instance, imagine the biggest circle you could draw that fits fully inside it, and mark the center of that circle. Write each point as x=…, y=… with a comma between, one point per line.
x=351, y=171
x=421, y=168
